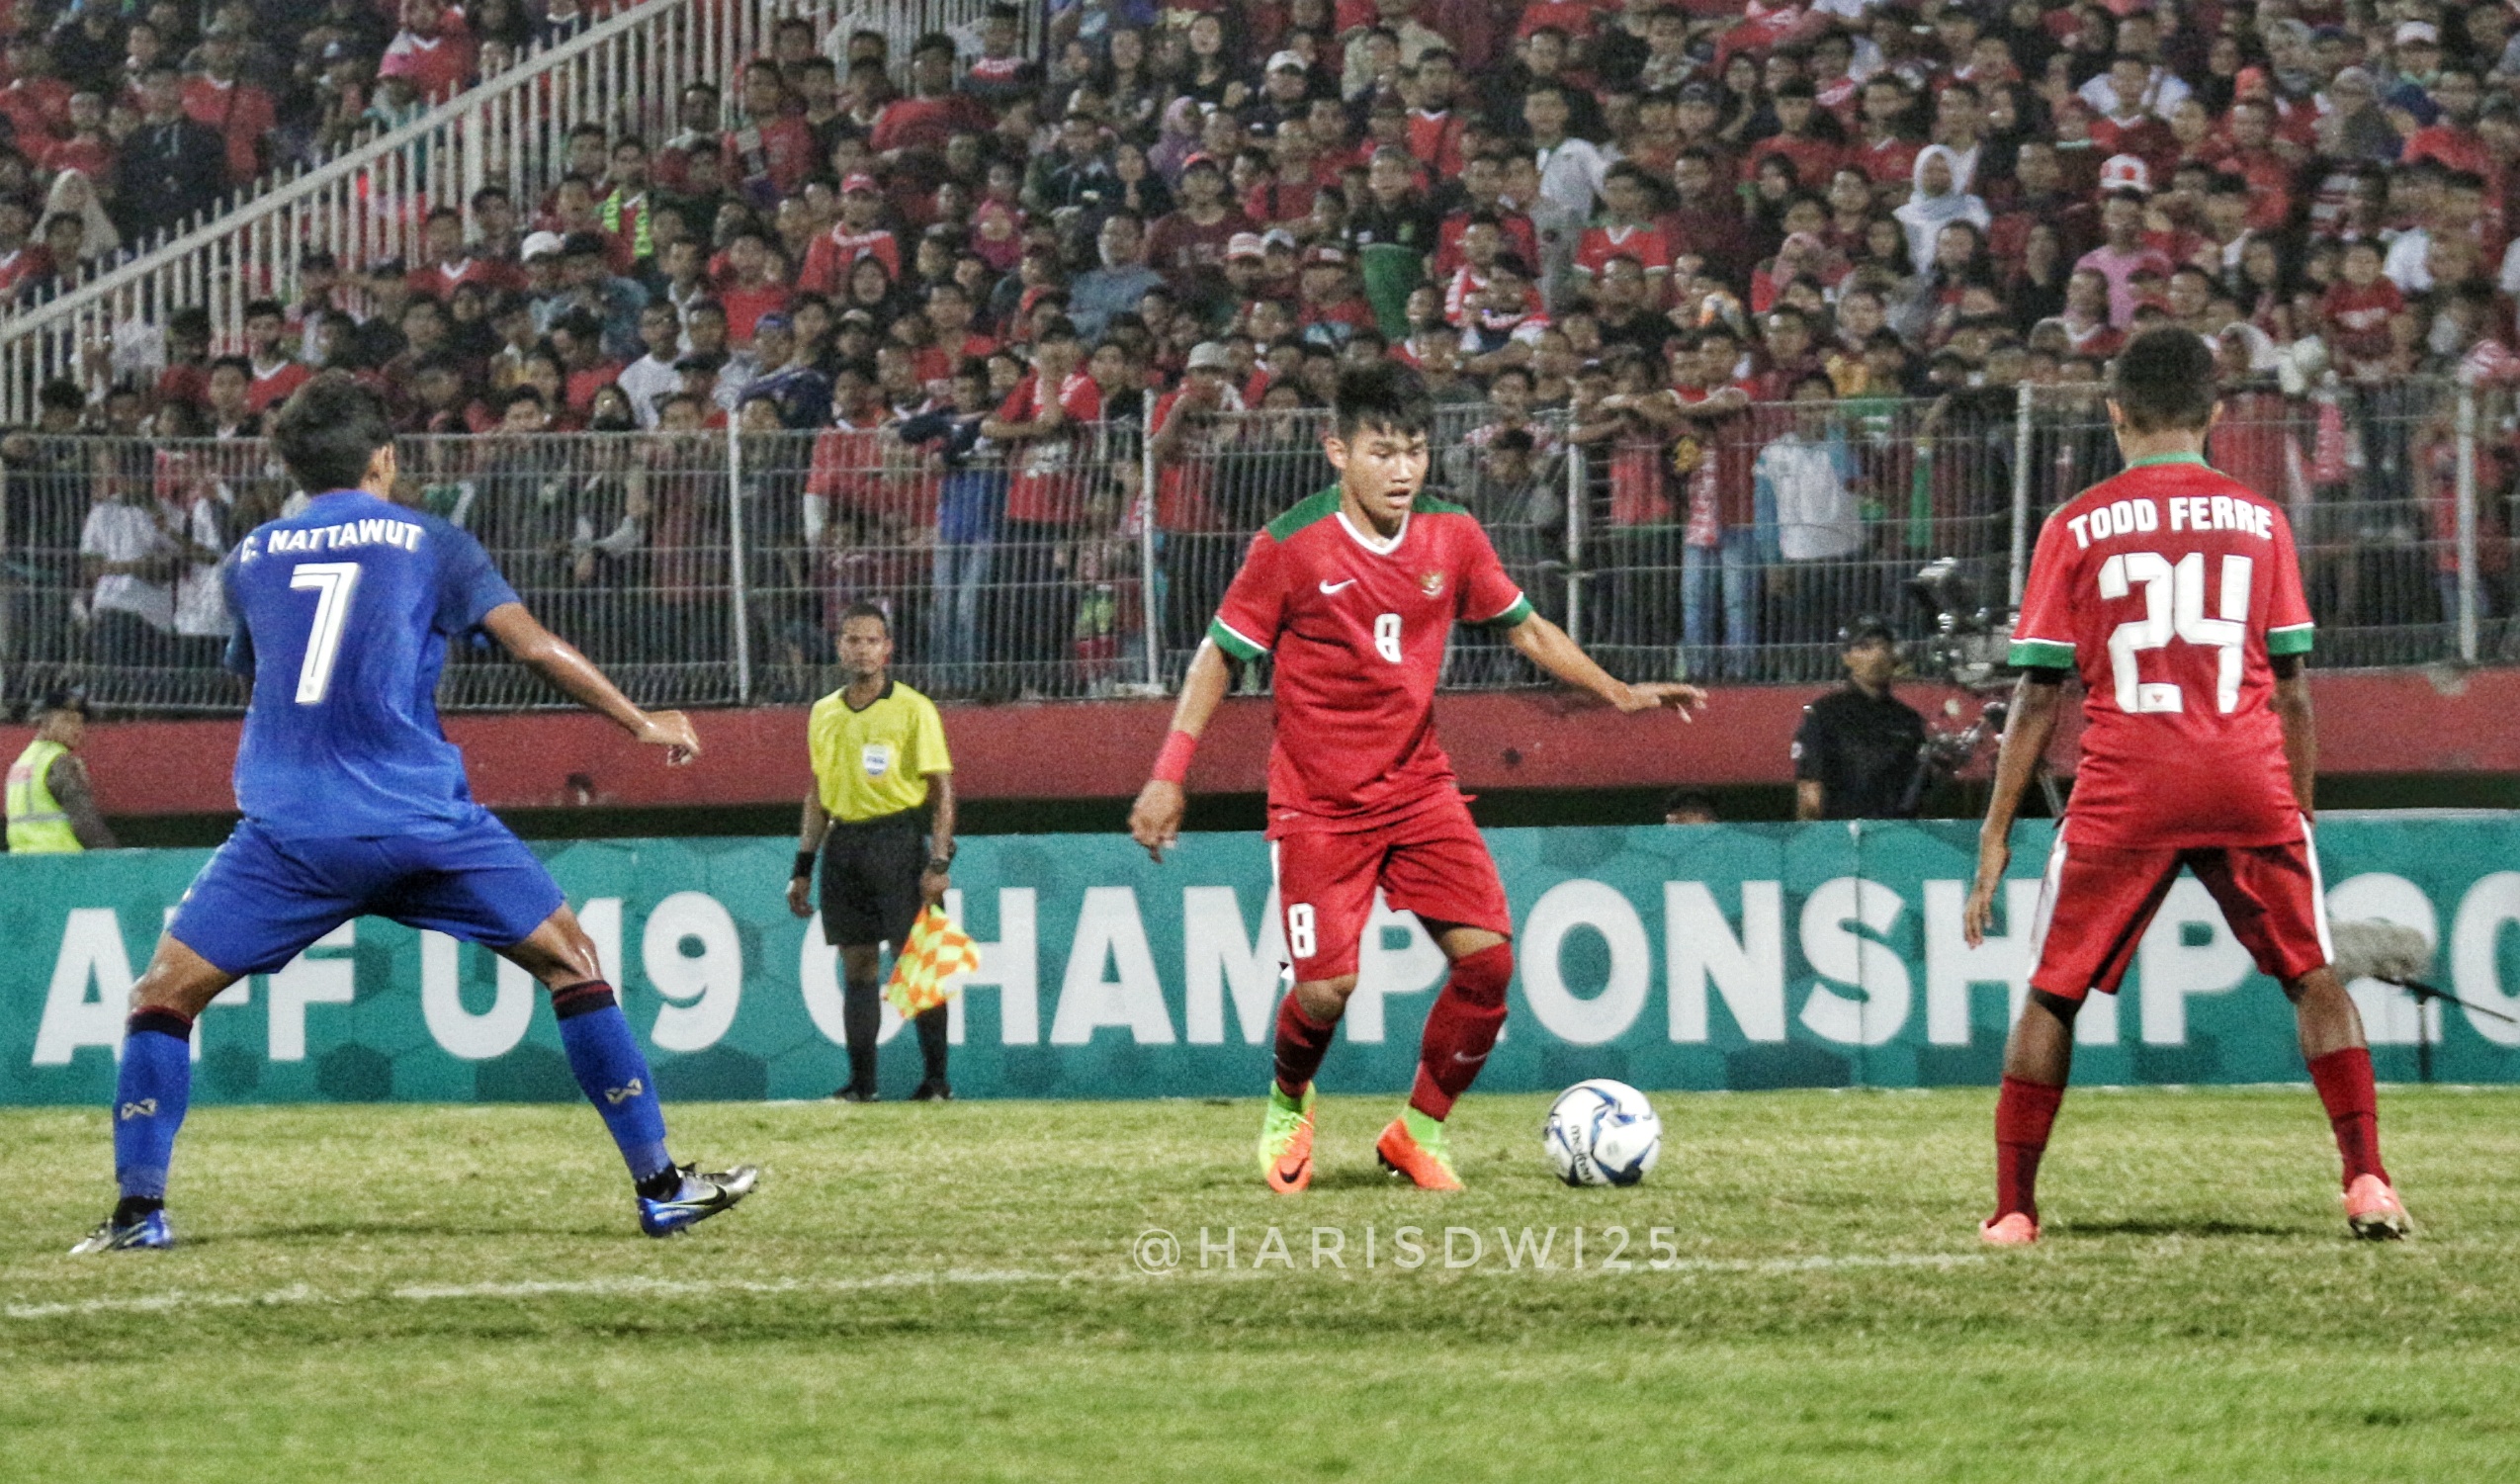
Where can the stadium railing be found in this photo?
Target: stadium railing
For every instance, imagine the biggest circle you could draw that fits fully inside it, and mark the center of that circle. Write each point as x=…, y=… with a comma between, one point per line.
x=368, y=202
x=711, y=568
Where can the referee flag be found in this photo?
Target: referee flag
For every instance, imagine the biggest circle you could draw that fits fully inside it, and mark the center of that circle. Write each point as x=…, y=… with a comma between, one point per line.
x=937, y=953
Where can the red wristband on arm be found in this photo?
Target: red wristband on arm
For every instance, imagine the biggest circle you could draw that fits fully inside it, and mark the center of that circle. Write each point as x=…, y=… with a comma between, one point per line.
x=1173, y=764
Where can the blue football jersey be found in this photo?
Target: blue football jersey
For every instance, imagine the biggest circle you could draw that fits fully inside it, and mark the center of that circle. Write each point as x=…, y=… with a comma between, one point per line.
x=343, y=614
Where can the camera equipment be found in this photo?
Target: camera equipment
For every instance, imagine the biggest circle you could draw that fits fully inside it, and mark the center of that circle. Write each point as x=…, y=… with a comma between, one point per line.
x=1970, y=640
x=1970, y=647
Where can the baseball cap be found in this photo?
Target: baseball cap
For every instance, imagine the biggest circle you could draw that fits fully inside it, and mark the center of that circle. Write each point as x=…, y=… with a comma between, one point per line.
x=1867, y=626
x=1200, y=162
x=860, y=181
x=1322, y=254
x=1245, y=245
x=2125, y=172
x=1210, y=355
x=2417, y=34
x=1698, y=91
x=1287, y=60
x=1277, y=236
x=774, y=320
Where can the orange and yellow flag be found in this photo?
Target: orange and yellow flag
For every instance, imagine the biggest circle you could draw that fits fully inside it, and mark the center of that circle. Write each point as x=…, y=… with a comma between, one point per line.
x=936, y=954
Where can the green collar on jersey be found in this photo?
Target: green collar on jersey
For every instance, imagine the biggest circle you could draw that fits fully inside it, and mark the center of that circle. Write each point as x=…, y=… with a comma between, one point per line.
x=2150, y=460
x=1324, y=506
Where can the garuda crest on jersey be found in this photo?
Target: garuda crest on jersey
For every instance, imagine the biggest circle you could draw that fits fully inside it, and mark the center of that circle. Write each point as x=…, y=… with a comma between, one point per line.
x=1430, y=584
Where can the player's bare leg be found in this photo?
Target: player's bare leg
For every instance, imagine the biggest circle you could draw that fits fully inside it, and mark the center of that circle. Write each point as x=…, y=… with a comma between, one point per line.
x=2039, y=1059
x=152, y=1088
x=1461, y=1029
x=613, y=1074
x=2340, y=1066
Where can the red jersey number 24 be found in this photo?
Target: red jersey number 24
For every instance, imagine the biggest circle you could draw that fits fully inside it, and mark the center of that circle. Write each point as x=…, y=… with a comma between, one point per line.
x=2174, y=608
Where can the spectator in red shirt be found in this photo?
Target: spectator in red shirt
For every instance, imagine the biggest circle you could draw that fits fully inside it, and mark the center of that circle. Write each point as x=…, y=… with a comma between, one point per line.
x=1046, y=420
x=240, y=111
x=2358, y=315
x=934, y=113
x=772, y=150
x=432, y=51
x=1188, y=246
x=277, y=372
x=855, y=236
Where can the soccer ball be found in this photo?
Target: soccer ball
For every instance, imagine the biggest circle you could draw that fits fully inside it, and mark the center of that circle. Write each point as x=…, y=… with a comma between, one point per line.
x=1602, y=1133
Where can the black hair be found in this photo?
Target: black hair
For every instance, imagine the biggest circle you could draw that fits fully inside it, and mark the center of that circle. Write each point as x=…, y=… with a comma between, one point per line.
x=2163, y=381
x=328, y=430
x=863, y=609
x=1384, y=396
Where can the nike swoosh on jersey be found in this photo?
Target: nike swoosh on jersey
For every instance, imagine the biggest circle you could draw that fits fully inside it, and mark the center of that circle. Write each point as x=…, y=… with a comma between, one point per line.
x=1328, y=589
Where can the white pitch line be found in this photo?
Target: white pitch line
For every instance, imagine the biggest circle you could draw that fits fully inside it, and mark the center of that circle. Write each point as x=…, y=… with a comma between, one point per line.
x=179, y=1299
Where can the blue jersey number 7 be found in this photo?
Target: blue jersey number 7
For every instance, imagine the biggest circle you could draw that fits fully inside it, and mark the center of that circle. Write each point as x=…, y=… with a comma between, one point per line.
x=334, y=583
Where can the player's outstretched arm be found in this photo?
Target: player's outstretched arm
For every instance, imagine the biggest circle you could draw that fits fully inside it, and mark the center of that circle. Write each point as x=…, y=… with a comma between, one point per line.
x=1155, y=820
x=557, y=661
x=1547, y=646
x=2036, y=698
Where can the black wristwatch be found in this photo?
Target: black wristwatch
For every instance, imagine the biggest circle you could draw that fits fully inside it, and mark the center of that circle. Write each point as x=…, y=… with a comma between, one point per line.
x=940, y=864
x=804, y=866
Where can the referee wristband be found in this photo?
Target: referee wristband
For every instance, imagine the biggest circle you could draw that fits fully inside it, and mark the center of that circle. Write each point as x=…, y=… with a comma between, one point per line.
x=1173, y=764
x=803, y=865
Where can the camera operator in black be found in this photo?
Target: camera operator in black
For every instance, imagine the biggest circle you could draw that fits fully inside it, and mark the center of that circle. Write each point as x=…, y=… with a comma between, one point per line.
x=1855, y=754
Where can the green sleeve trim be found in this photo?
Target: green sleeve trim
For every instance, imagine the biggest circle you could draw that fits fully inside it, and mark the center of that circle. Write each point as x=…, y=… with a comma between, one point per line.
x=1320, y=506
x=2295, y=640
x=1232, y=643
x=1515, y=613
x=2043, y=654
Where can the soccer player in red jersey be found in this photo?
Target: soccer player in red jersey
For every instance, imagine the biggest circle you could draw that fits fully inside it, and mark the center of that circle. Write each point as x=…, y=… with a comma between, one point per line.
x=1354, y=593
x=2175, y=594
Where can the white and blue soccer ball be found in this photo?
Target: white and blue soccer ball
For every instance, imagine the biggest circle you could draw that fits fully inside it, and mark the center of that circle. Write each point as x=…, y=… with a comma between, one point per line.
x=1602, y=1133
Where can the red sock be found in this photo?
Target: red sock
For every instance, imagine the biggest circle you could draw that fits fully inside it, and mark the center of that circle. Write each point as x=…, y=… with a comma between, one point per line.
x=1302, y=1042
x=2023, y=1113
x=2344, y=1083
x=1461, y=1029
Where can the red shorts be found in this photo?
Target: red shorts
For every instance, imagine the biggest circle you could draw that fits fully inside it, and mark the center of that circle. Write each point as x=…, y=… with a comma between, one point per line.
x=2097, y=900
x=1432, y=863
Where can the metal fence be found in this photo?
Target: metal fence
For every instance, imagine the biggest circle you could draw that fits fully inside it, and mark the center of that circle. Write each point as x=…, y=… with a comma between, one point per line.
x=709, y=568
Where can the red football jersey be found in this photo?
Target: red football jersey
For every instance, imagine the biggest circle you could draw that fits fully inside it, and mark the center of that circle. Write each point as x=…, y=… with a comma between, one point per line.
x=1357, y=626
x=2167, y=589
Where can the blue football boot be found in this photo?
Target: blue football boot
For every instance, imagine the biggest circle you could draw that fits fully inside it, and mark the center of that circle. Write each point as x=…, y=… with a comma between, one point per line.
x=703, y=1196
x=148, y=1234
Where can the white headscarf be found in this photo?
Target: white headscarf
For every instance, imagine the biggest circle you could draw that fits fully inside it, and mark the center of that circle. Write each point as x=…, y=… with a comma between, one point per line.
x=102, y=240
x=1925, y=216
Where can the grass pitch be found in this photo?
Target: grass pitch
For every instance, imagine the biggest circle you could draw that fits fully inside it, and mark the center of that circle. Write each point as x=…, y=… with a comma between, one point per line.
x=960, y=1294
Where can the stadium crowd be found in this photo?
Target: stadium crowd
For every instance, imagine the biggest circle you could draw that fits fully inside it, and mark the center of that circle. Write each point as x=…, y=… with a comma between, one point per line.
x=1759, y=260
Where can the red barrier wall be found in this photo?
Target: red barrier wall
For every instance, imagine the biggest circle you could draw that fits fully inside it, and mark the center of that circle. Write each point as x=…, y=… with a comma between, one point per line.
x=2370, y=723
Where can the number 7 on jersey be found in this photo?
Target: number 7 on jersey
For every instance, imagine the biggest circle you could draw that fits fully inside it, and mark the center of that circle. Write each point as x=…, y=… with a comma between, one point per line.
x=333, y=584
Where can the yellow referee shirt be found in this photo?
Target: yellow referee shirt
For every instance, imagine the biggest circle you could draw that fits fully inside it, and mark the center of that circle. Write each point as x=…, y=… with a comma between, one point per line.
x=875, y=763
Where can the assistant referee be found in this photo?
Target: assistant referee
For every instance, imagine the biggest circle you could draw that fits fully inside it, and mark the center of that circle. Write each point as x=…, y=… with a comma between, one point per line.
x=882, y=813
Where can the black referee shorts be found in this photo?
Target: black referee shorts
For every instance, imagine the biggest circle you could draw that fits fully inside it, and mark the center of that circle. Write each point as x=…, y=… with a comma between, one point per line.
x=870, y=880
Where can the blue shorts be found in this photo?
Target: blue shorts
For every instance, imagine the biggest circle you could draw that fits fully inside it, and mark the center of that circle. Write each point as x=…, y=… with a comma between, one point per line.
x=262, y=899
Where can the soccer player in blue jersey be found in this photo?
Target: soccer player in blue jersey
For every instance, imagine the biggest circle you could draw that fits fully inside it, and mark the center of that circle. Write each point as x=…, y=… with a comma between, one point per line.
x=355, y=802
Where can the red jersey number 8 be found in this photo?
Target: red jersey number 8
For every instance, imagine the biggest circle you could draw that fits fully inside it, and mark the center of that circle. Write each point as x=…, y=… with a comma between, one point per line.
x=1387, y=636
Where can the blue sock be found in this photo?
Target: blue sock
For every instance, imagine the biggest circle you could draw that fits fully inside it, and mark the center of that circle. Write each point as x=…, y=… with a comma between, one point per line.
x=150, y=1097
x=613, y=1074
